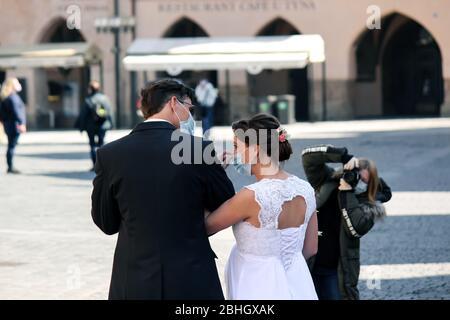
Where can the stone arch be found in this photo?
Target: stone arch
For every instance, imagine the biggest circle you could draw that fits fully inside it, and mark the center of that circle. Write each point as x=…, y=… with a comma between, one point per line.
x=185, y=27
x=402, y=63
x=62, y=91
x=56, y=31
x=278, y=82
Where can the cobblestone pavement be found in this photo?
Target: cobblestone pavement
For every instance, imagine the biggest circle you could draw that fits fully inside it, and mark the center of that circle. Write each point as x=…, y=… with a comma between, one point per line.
x=50, y=249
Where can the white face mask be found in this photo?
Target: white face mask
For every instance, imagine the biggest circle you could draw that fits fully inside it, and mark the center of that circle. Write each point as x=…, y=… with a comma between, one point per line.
x=17, y=86
x=360, y=187
x=188, y=125
x=242, y=168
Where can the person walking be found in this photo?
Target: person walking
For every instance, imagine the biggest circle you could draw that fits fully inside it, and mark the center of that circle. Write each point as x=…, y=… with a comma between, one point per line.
x=206, y=96
x=13, y=117
x=95, y=118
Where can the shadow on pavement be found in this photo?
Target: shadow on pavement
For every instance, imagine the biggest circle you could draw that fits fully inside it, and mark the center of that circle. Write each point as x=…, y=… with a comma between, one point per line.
x=73, y=175
x=58, y=155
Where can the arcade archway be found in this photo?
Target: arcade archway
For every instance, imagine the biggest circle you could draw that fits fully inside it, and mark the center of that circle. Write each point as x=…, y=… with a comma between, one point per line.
x=280, y=82
x=405, y=57
x=66, y=87
x=183, y=28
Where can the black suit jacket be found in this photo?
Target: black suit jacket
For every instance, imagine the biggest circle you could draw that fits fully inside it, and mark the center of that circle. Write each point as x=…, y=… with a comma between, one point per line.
x=157, y=207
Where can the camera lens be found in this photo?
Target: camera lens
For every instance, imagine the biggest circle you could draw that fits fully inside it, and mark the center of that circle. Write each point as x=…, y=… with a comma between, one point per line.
x=351, y=177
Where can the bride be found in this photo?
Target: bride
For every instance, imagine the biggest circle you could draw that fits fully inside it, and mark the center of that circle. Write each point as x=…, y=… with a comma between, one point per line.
x=274, y=220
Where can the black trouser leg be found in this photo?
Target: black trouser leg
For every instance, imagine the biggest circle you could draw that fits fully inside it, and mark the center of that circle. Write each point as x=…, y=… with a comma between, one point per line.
x=96, y=143
x=101, y=137
x=13, y=139
x=93, y=145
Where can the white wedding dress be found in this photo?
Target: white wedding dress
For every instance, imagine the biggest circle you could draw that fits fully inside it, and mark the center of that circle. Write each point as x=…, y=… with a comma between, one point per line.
x=267, y=263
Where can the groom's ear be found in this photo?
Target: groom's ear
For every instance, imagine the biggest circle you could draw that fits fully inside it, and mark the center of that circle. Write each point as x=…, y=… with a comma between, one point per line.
x=169, y=105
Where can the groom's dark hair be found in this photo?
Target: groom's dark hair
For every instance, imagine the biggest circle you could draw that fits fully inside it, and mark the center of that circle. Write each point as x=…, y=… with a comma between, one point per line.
x=156, y=94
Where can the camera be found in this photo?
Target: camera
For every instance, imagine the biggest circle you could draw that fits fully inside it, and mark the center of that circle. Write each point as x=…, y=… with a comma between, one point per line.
x=351, y=177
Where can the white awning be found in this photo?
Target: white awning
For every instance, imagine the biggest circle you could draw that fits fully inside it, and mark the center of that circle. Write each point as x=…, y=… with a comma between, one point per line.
x=253, y=54
x=67, y=55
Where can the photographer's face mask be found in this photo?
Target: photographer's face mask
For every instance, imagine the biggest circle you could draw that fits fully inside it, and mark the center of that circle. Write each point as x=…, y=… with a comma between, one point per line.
x=360, y=187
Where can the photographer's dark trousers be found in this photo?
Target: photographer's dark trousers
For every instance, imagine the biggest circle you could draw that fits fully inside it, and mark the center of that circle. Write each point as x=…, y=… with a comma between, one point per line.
x=13, y=140
x=326, y=283
x=96, y=140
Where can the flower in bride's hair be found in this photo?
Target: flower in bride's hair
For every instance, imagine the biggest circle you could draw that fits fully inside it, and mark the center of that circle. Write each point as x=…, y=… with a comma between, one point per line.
x=282, y=134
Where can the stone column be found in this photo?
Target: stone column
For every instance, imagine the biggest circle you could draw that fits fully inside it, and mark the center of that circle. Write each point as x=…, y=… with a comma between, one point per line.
x=445, y=109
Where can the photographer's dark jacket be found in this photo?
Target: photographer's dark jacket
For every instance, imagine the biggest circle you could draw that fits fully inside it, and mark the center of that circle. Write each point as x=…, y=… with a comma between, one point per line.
x=343, y=216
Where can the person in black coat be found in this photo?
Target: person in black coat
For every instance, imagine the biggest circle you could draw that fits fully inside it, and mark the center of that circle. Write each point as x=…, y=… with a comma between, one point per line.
x=13, y=117
x=158, y=205
x=95, y=118
x=345, y=214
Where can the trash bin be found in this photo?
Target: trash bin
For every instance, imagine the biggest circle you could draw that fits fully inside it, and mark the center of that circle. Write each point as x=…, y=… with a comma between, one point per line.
x=284, y=108
x=262, y=104
x=45, y=119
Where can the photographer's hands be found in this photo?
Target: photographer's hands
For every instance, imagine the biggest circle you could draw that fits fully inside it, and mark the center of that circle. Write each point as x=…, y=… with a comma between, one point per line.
x=344, y=186
x=353, y=163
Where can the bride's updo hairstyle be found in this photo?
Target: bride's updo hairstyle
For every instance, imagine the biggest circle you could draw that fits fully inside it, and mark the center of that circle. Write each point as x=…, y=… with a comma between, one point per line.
x=267, y=128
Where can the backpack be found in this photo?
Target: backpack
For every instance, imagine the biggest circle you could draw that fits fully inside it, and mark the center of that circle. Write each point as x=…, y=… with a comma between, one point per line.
x=98, y=111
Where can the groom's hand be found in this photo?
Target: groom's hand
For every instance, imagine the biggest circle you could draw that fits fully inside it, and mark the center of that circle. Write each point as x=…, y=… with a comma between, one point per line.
x=226, y=159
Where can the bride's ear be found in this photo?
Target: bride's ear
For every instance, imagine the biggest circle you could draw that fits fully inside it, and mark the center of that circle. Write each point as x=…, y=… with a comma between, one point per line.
x=254, y=153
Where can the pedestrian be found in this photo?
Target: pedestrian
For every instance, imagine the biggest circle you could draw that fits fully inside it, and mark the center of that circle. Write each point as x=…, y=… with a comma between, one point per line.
x=206, y=96
x=95, y=118
x=349, y=202
x=13, y=117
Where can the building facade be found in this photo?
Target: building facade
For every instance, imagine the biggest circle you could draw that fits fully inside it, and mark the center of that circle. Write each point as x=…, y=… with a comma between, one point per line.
x=394, y=66
x=54, y=95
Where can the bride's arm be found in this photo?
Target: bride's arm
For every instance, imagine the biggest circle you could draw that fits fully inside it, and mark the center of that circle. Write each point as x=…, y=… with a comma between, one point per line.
x=311, y=238
x=240, y=207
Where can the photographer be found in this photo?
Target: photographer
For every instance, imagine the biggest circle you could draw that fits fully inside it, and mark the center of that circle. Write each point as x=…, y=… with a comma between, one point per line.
x=348, y=204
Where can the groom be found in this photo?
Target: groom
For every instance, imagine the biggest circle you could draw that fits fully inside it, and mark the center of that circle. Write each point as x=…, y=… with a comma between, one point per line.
x=156, y=206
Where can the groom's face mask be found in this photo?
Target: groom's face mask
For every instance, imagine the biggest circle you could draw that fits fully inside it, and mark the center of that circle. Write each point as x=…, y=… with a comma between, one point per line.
x=187, y=125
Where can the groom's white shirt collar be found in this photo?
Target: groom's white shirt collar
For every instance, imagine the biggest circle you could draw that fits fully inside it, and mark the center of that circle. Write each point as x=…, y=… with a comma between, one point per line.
x=157, y=120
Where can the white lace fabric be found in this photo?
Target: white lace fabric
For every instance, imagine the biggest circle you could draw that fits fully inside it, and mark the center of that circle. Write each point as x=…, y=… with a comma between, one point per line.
x=268, y=240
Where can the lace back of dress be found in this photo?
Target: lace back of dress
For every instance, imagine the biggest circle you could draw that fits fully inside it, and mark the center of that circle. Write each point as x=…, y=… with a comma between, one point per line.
x=282, y=201
x=286, y=208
